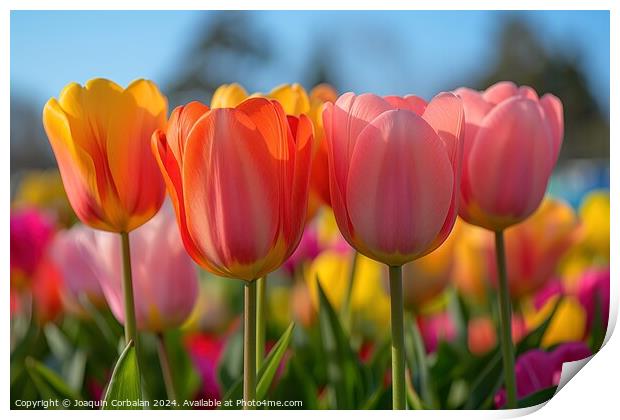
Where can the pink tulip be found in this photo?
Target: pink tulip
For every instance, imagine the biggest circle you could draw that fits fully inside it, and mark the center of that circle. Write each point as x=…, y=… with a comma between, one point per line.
x=70, y=253
x=165, y=280
x=436, y=328
x=512, y=142
x=394, y=166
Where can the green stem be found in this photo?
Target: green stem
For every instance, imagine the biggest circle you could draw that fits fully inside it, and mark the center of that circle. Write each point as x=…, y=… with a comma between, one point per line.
x=130, y=310
x=131, y=332
x=505, y=314
x=398, y=338
x=164, y=362
x=249, y=345
x=346, y=304
x=261, y=322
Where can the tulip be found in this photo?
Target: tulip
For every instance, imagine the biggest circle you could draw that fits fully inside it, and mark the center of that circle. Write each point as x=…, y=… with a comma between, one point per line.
x=436, y=328
x=481, y=335
x=238, y=179
x=568, y=322
x=100, y=135
x=205, y=352
x=594, y=211
x=295, y=101
x=471, y=266
x=319, y=181
x=47, y=289
x=31, y=233
x=165, y=279
x=534, y=248
x=425, y=278
x=512, y=142
x=368, y=300
x=394, y=171
x=70, y=253
x=593, y=294
x=537, y=369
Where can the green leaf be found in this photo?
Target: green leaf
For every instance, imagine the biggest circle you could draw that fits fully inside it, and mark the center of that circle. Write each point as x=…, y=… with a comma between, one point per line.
x=231, y=364
x=597, y=331
x=185, y=377
x=534, y=338
x=538, y=397
x=272, y=361
x=48, y=383
x=267, y=371
x=342, y=364
x=125, y=381
x=417, y=361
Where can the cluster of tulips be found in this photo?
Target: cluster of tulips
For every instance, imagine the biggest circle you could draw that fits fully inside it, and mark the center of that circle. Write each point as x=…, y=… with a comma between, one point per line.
x=249, y=176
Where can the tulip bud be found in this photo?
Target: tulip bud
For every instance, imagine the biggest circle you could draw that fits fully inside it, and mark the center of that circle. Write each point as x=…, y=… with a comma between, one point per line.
x=512, y=142
x=238, y=179
x=394, y=167
x=100, y=135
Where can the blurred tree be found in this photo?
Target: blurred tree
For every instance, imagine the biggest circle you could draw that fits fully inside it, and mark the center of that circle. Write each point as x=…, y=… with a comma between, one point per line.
x=29, y=146
x=229, y=47
x=523, y=59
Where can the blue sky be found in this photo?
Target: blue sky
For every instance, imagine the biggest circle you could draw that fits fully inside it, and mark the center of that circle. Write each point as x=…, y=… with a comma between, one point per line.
x=386, y=52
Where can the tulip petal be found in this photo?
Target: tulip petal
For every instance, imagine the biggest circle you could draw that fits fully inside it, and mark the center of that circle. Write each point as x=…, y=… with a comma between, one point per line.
x=399, y=187
x=171, y=172
x=228, y=96
x=75, y=165
x=230, y=195
x=499, y=92
x=446, y=115
x=510, y=159
x=293, y=98
x=554, y=115
x=412, y=103
x=180, y=124
x=141, y=111
x=301, y=129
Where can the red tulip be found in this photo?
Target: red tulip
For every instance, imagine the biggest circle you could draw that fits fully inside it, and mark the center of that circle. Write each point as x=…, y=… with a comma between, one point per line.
x=512, y=142
x=394, y=168
x=239, y=181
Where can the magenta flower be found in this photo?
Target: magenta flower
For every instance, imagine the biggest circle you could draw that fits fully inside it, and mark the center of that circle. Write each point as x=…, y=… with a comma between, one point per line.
x=31, y=233
x=536, y=369
x=594, y=287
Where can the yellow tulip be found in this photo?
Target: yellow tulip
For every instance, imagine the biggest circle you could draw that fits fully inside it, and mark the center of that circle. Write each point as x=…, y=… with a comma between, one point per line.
x=594, y=212
x=101, y=136
x=568, y=323
x=228, y=96
x=369, y=300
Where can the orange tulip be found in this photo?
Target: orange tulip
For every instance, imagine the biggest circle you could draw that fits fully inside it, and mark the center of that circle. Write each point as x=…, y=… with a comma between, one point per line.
x=295, y=101
x=239, y=179
x=535, y=247
x=100, y=135
x=319, y=181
